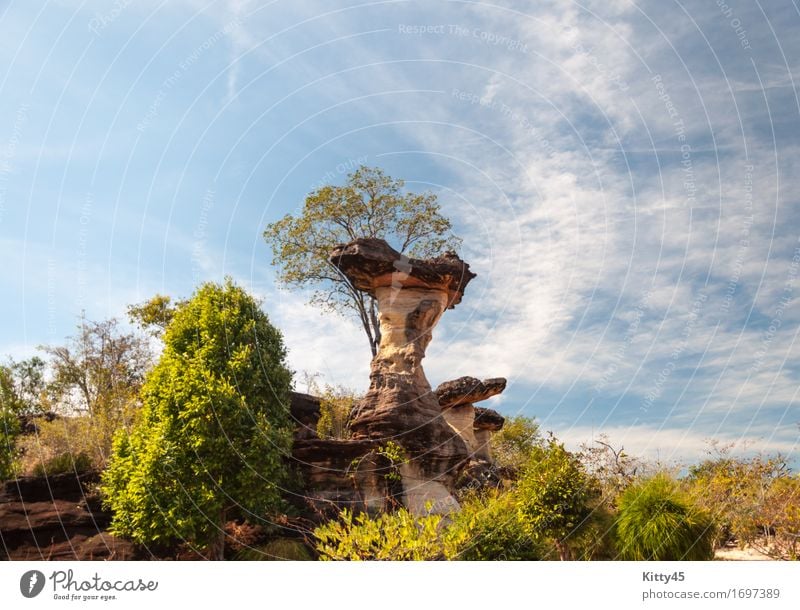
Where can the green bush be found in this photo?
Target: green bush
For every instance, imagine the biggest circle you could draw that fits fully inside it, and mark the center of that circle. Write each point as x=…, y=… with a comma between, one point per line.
x=556, y=498
x=514, y=443
x=335, y=406
x=214, y=428
x=657, y=521
x=60, y=464
x=595, y=540
x=780, y=515
x=397, y=536
x=734, y=491
x=488, y=528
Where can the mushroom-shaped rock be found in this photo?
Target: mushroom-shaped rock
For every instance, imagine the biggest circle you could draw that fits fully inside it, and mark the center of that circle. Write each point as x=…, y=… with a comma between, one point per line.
x=465, y=390
x=412, y=295
x=371, y=264
x=456, y=398
x=486, y=423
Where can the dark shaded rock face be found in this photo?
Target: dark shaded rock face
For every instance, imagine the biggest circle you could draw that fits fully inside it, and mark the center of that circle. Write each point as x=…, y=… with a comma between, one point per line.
x=56, y=517
x=304, y=410
x=341, y=474
x=488, y=419
x=412, y=295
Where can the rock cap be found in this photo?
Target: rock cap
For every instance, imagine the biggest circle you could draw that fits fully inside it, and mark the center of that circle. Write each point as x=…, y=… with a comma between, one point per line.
x=468, y=390
x=372, y=263
x=488, y=419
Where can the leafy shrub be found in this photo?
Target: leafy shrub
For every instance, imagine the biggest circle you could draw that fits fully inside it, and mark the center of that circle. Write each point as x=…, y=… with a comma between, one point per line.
x=9, y=429
x=514, y=443
x=595, y=540
x=66, y=462
x=19, y=384
x=658, y=522
x=214, y=427
x=489, y=528
x=780, y=514
x=23, y=389
x=733, y=490
x=486, y=528
x=335, y=406
x=555, y=497
x=397, y=536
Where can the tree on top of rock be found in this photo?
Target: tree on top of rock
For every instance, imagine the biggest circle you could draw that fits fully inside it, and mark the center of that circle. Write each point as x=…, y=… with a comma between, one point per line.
x=370, y=204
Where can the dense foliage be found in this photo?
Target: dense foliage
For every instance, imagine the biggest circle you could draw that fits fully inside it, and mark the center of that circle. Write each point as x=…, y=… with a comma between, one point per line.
x=9, y=429
x=397, y=536
x=96, y=379
x=488, y=527
x=544, y=515
x=335, y=406
x=513, y=444
x=22, y=394
x=556, y=497
x=213, y=428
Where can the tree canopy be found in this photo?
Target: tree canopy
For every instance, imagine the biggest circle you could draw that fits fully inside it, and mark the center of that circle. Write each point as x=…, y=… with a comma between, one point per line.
x=369, y=204
x=213, y=429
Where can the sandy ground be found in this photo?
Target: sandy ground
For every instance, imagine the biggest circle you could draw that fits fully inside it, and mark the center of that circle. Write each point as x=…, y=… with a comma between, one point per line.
x=734, y=553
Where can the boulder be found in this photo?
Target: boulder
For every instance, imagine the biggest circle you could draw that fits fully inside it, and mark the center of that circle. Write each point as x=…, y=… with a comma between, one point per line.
x=66, y=486
x=486, y=423
x=488, y=419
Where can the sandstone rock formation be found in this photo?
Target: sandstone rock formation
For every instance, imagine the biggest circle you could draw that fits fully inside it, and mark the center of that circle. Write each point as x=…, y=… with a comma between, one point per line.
x=474, y=424
x=304, y=410
x=399, y=406
x=486, y=423
x=341, y=474
x=56, y=517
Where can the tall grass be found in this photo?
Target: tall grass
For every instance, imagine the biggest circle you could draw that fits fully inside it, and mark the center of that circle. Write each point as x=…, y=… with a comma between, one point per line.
x=658, y=522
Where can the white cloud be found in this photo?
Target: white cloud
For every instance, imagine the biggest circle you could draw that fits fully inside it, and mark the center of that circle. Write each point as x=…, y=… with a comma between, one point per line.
x=320, y=343
x=674, y=446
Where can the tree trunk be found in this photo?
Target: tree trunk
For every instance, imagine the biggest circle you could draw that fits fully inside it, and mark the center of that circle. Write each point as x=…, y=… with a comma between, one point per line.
x=216, y=550
x=375, y=339
x=564, y=552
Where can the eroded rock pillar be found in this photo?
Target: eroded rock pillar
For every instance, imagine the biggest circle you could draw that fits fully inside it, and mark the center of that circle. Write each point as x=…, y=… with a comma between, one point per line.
x=399, y=406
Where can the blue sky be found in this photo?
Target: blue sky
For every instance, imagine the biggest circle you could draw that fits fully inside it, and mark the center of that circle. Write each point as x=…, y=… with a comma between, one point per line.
x=624, y=175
